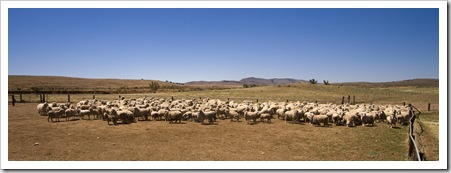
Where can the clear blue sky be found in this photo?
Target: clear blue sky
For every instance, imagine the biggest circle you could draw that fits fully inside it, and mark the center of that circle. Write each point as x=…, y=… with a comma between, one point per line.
x=180, y=45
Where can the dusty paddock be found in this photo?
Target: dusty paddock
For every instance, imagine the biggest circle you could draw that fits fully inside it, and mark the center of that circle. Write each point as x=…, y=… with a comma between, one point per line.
x=31, y=137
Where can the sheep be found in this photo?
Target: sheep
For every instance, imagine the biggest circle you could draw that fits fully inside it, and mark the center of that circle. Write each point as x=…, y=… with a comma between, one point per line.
x=221, y=111
x=318, y=119
x=309, y=116
x=110, y=117
x=404, y=117
x=54, y=113
x=144, y=113
x=206, y=115
x=125, y=115
x=265, y=116
x=155, y=115
x=187, y=115
x=162, y=113
x=280, y=113
x=350, y=119
x=391, y=121
x=381, y=116
x=42, y=108
x=233, y=114
x=367, y=119
x=97, y=113
x=337, y=118
x=195, y=117
x=83, y=113
x=71, y=112
x=291, y=115
x=251, y=116
x=173, y=116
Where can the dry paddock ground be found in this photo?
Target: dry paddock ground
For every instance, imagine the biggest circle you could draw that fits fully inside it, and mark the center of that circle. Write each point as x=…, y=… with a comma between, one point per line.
x=94, y=140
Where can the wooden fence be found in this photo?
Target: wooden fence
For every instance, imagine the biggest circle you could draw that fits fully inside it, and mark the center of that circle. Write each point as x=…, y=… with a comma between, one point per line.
x=414, y=152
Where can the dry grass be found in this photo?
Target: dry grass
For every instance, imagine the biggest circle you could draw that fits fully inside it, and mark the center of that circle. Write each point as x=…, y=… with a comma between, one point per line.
x=151, y=140
x=429, y=134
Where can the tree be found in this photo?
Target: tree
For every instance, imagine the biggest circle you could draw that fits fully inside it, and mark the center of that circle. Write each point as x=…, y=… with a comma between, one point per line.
x=154, y=86
x=313, y=81
x=326, y=82
x=245, y=86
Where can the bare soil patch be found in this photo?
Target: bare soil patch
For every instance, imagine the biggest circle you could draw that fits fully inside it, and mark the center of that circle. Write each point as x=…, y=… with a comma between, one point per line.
x=31, y=137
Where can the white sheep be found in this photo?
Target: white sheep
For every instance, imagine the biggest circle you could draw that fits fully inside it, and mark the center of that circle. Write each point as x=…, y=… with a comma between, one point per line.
x=42, y=108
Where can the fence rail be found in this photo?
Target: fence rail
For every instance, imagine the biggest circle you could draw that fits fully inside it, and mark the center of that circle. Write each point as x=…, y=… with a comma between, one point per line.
x=412, y=143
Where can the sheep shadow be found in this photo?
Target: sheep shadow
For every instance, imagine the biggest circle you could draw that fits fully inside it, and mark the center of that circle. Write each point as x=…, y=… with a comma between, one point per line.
x=396, y=127
x=178, y=123
x=323, y=126
x=212, y=124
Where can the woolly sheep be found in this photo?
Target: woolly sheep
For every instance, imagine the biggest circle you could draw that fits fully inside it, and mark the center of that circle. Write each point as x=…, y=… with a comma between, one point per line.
x=42, y=108
x=318, y=119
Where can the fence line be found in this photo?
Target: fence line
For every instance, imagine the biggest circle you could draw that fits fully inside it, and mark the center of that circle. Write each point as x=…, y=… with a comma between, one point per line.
x=412, y=137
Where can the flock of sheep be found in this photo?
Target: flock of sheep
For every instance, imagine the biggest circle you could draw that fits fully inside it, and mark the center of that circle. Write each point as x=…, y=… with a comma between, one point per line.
x=206, y=111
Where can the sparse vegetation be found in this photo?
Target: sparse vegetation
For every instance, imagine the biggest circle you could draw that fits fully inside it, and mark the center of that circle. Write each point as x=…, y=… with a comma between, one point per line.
x=326, y=82
x=313, y=81
x=154, y=86
x=34, y=89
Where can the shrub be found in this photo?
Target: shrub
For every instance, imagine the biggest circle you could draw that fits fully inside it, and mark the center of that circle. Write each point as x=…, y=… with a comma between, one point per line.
x=326, y=82
x=313, y=81
x=34, y=89
x=154, y=86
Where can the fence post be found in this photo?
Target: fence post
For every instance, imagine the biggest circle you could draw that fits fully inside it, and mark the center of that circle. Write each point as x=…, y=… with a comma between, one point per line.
x=21, y=98
x=349, y=99
x=316, y=101
x=404, y=104
x=353, y=99
x=257, y=100
x=228, y=99
x=343, y=100
x=13, y=100
x=94, y=96
x=40, y=98
x=429, y=106
x=287, y=101
x=43, y=97
x=68, y=98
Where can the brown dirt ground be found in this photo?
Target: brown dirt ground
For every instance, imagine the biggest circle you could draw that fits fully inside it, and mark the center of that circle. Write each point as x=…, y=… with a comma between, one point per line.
x=94, y=140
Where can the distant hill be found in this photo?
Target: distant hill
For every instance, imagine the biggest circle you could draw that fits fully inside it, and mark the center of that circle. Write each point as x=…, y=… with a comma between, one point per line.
x=60, y=84
x=249, y=81
x=410, y=82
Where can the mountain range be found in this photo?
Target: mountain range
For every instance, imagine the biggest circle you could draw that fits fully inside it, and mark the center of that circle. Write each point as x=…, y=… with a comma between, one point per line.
x=249, y=81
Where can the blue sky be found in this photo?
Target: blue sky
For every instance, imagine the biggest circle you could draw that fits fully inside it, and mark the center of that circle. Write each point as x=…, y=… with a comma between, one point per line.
x=180, y=45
